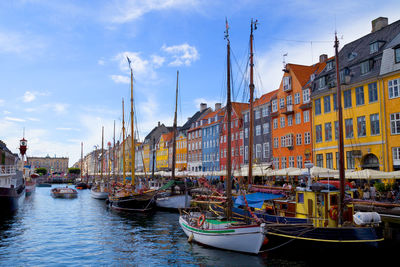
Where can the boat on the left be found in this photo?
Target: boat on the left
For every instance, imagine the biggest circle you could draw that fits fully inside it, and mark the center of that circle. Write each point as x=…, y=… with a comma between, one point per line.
x=64, y=192
x=12, y=185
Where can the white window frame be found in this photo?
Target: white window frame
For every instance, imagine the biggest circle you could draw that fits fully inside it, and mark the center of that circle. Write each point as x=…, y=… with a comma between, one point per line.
x=394, y=123
x=394, y=88
x=306, y=95
x=297, y=98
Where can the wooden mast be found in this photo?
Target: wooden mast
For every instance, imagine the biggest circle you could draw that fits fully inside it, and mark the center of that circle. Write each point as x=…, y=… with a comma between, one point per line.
x=81, y=161
x=228, y=125
x=123, y=143
x=251, y=119
x=174, y=129
x=113, y=157
x=102, y=153
x=341, y=144
x=132, y=131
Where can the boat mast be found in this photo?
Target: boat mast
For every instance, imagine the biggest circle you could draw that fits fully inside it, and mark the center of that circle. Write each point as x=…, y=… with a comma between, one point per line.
x=123, y=143
x=229, y=117
x=174, y=129
x=113, y=157
x=341, y=144
x=251, y=119
x=81, y=161
x=102, y=153
x=132, y=132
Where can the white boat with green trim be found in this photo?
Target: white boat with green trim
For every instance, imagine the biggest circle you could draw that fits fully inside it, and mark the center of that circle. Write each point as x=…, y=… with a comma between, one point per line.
x=214, y=232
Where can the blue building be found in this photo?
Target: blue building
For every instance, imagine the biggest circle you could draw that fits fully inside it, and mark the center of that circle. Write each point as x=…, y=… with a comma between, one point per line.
x=210, y=140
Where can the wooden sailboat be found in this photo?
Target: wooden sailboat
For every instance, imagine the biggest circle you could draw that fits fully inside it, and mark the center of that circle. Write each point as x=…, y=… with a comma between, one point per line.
x=316, y=214
x=129, y=198
x=223, y=233
x=81, y=184
x=173, y=199
x=100, y=190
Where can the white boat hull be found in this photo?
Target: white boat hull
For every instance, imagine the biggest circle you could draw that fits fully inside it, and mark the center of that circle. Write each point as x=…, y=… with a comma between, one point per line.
x=98, y=194
x=174, y=202
x=248, y=238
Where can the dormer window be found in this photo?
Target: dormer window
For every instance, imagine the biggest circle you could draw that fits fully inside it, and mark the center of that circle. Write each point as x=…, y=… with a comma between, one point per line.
x=287, y=83
x=365, y=66
x=397, y=54
x=374, y=47
x=321, y=82
x=351, y=56
x=329, y=65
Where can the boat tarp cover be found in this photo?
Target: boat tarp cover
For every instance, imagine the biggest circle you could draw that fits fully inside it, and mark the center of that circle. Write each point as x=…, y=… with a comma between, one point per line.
x=167, y=185
x=255, y=200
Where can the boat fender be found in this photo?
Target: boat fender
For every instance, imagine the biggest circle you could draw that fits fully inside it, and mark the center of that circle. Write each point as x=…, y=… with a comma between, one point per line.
x=190, y=238
x=333, y=213
x=201, y=220
x=364, y=218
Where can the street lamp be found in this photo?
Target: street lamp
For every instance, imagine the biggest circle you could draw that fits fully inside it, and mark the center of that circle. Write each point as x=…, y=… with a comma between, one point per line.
x=309, y=166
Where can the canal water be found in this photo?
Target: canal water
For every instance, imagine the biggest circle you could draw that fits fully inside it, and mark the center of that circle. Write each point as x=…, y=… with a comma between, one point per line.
x=84, y=232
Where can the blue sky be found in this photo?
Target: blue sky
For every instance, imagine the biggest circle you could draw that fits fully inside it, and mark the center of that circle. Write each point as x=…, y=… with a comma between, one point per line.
x=63, y=70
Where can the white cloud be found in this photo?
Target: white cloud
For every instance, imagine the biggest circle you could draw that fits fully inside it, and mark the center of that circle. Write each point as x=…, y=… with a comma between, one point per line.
x=33, y=119
x=120, y=79
x=126, y=11
x=183, y=54
x=6, y=112
x=101, y=62
x=157, y=60
x=66, y=129
x=59, y=107
x=18, y=43
x=29, y=97
x=142, y=68
x=14, y=119
x=1, y=102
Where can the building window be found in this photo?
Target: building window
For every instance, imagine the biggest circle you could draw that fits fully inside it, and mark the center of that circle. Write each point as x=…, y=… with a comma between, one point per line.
x=283, y=141
x=258, y=130
x=246, y=119
x=349, y=128
x=397, y=55
x=328, y=131
x=329, y=65
x=283, y=162
x=298, y=139
x=395, y=123
x=374, y=121
x=306, y=116
x=396, y=155
x=257, y=114
x=350, y=160
x=306, y=96
x=360, y=95
x=281, y=103
x=282, y=119
x=291, y=161
x=374, y=47
x=258, y=151
x=307, y=138
x=299, y=162
x=246, y=132
x=266, y=150
x=361, y=126
x=289, y=100
x=329, y=160
x=264, y=111
x=372, y=92
x=266, y=127
x=347, y=98
x=321, y=82
x=336, y=130
x=393, y=86
x=335, y=107
x=274, y=105
x=365, y=67
x=297, y=118
x=297, y=98
x=276, y=163
x=317, y=106
x=320, y=160
x=276, y=142
x=246, y=152
x=290, y=120
x=337, y=160
x=275, y=123
x=318, y=133
x=327, y=103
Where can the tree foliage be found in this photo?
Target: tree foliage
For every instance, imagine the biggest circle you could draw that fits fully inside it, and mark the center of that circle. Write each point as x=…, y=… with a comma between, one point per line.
x=74, y=171
x=41, y=171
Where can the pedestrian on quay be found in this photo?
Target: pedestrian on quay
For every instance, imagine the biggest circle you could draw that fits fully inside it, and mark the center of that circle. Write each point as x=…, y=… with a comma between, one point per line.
x=372, y=192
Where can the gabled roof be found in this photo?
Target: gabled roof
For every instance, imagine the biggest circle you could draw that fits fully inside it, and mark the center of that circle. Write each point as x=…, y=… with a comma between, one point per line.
x=239, y=108
x=265, y=98
x=303, y=73
x=167, y=136
x=220, y=112
x=194, y=118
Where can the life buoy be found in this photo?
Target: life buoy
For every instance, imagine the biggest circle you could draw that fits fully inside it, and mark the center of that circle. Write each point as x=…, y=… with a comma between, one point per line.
x=333, y=213
x=201, y=220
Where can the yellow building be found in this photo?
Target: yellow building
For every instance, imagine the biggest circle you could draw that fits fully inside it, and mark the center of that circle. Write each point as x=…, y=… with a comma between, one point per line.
x=366, y=116
x=146, y=156
x=162, y=151
x=181, y=152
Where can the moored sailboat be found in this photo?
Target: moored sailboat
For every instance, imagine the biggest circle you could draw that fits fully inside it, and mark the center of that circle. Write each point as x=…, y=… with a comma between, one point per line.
x=205, y=227
x=99, y=190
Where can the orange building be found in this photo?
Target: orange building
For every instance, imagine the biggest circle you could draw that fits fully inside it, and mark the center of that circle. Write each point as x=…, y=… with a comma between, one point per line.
x=291, y=116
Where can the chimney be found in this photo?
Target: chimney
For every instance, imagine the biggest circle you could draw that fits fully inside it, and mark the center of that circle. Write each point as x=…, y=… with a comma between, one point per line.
x=203, y=106
x=217, y=106
x=379, y=23
x=159, y=124
x=323, y=58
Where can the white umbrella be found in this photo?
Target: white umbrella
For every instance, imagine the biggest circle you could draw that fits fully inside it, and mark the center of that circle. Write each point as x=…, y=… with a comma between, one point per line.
x=283, y=172
x=369, y=174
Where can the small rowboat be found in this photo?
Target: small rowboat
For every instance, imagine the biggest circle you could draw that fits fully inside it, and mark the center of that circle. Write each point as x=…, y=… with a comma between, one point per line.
x=64, y=192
